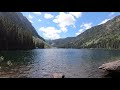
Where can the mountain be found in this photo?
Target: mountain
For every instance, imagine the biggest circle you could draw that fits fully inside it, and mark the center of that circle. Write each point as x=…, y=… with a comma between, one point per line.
x=106, y=35
x=16, y=32
x=60, y=42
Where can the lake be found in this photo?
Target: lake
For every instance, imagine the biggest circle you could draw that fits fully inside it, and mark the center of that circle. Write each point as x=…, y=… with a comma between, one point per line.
x=42, y=63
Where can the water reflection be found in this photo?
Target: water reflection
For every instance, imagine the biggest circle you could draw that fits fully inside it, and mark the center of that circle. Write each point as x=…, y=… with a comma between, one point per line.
x=21, y=62
x=41, y=63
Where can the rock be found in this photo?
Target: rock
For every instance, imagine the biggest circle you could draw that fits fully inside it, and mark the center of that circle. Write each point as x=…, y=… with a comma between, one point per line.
x=1, y=58
x=9, y=63
x=58, y=75
x=111, y=66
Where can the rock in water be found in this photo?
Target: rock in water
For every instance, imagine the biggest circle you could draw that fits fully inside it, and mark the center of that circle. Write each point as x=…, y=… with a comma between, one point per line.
x=9, y=63
x=111, y=66
x=58, y=75
x=1, y=58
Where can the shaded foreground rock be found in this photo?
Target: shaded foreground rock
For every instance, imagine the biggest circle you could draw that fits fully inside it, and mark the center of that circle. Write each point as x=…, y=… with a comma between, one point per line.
x=112, y=68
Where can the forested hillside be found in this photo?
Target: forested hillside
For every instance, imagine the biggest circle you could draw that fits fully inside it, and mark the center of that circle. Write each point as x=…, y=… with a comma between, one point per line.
x=16, y=32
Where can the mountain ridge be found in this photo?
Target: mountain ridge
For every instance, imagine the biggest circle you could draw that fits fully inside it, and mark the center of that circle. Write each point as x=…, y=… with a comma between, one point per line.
x=105, y=35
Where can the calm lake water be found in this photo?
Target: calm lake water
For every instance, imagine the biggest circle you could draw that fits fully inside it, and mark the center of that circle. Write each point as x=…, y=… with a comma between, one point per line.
x=42, y=63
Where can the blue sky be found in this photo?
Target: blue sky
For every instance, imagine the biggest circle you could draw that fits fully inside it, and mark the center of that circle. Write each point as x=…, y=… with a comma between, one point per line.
x=54, y=25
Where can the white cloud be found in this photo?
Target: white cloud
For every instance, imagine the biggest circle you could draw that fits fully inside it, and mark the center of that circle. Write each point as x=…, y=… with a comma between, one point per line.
x=64, y=29
x=104, y=21
x=63, y=20
x=79, y=32
x=37, y=13
x=84, y=27
x=48, y=16
x=112, y=13
x=39, y=20
x=31, y=17
x=31, y=21
x=50, y=32
x=76, y=14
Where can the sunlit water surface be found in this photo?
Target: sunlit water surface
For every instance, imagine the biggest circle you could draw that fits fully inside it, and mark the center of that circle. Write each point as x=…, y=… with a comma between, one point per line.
x=42, y=63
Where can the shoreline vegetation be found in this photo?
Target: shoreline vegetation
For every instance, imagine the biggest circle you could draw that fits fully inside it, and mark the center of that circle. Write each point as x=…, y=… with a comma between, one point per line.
x=84, y=48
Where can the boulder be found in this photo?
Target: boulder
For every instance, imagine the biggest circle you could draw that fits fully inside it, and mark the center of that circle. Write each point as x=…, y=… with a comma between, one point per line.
x=1, y=58
x=9, y=63
x=58, y=75
x=111, y=66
